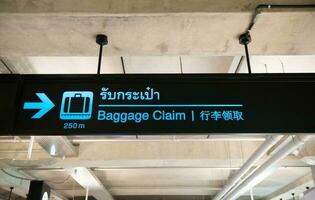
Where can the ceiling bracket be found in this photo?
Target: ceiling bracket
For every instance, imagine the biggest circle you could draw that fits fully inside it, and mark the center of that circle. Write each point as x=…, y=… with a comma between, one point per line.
x=245, y=39
x=100, y=40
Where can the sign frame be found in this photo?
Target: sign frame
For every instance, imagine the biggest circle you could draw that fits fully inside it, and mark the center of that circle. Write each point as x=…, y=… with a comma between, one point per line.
x=22, y=82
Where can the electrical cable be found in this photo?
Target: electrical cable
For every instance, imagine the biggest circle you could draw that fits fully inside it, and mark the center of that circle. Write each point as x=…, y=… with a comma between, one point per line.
x=123, y=64
x=181, y=65
x=6, y=66
x=239, y=64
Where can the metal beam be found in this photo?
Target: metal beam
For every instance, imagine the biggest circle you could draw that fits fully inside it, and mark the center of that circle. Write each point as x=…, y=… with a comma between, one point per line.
x=57, y=146
x=88, y=180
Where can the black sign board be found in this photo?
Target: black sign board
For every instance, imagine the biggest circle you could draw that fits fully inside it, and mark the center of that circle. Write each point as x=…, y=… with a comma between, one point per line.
x=157, y=104
x=38, y=190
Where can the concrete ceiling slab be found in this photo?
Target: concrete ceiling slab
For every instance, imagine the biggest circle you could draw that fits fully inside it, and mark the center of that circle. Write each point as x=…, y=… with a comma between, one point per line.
x=63, y=65
x=165, y=176
x=73, y=34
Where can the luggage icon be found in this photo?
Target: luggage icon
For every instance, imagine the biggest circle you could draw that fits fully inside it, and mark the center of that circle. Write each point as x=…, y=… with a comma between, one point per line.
x=76, y=105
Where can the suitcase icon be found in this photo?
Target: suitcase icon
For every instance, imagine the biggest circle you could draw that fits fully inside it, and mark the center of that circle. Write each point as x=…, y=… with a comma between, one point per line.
x=76, y=105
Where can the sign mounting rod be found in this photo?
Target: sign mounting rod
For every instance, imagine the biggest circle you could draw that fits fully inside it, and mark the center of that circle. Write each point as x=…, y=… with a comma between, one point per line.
x=101, y=40
x=245, y=39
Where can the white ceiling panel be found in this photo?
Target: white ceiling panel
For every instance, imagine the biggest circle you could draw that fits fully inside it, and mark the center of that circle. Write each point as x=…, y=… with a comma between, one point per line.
x=280, y=64
x=305, y=64
x=206, y=64
x=152, y=64
x=157, y=64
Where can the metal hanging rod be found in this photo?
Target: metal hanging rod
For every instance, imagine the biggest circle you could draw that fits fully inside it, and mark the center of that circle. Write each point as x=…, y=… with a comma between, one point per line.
x=101, y=40
x=245, y=39
x=11, y=189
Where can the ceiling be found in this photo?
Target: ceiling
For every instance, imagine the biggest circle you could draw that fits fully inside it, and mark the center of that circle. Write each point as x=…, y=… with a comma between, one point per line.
x=145, y=37
x=182, y=167
x=63, y=28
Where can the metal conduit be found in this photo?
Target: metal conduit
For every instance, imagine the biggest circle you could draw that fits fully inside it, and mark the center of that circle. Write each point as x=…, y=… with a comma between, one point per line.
x=260, y=8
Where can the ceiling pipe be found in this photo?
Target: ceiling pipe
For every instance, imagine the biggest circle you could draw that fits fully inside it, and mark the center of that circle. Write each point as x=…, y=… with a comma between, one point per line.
x=269, y=166
x=260, y=8
x=252, y=161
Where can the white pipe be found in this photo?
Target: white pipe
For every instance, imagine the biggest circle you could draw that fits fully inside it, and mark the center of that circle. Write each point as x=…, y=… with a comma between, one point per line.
x=284, y=141
x=269, y=166
x=87, y=193
x=259, y=153
x=251, y=194
x=30, y=148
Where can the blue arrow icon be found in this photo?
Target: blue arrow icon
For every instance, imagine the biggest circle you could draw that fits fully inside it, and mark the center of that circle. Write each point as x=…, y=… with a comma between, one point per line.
x=44, y=106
